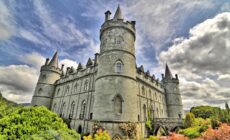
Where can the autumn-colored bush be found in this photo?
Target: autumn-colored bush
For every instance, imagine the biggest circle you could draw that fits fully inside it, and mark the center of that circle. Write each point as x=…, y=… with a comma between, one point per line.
x=222, y=133
x=174, y=136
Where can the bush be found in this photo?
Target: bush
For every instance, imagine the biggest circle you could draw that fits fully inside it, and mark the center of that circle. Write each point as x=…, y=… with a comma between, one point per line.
x=99, y=135
x=189, y=120
x=194, y=132
x=35, y=123
x=152, y=138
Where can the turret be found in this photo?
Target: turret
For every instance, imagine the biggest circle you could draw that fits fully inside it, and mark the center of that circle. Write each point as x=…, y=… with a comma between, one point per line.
x=115, y=84
x=49, y=74
x=173, y=96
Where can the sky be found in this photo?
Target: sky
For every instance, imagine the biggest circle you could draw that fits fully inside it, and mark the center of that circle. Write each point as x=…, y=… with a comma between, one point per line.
x=192, y=36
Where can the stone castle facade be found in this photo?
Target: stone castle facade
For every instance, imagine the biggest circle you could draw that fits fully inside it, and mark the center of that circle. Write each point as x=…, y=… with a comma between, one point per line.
x=110, y=89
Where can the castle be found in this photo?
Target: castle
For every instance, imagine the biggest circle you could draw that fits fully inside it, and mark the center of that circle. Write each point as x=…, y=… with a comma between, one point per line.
x=110, y=89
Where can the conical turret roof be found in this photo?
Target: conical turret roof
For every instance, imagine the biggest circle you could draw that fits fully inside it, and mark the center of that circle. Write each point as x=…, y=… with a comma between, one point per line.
x=118, y=14
x=54, y=60
x=168, y=74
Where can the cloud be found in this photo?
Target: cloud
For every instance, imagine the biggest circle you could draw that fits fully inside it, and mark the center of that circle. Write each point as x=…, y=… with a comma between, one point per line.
x=68, y=63
x=6, y=28
x=202, y=61
x=33, y=59
x=17, y=82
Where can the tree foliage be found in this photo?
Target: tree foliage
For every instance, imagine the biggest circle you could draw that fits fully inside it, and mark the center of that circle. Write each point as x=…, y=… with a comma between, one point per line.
x=34, y=123
x=204, y=111
x=189, y=120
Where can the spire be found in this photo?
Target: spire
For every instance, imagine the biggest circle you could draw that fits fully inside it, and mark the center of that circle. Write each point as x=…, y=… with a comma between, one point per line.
x=118, y=14
x=168, y=74
x=54, y=60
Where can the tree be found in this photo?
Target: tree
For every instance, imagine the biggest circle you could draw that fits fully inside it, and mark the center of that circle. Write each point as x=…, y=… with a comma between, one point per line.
x=189, y=120
x=227, y=107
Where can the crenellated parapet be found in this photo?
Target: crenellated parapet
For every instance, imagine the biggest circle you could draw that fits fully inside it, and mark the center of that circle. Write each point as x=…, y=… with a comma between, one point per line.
x=149, y=79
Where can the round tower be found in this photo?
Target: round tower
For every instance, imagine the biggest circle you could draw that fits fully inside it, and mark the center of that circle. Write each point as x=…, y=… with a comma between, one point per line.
x=115, y=86
x=173, y=96
x=49, y=74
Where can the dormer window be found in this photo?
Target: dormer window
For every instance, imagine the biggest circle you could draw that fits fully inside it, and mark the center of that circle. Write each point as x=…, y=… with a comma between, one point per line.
x=119, y=67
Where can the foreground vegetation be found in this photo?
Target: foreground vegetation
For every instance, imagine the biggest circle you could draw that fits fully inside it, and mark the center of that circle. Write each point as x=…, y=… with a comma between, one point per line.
x=38, y=123
x=32, y=123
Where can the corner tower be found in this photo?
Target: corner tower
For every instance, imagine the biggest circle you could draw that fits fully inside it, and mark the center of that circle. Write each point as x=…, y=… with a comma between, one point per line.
x=49, y=74
x=115, y=97
x=173, y=96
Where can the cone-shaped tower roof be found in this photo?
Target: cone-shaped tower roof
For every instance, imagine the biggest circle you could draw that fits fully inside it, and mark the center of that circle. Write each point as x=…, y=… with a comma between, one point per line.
x=168, y=74
x=54, y=60
x=118, y=14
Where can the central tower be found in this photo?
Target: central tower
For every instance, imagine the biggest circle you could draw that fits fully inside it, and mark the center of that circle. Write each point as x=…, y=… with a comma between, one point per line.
x=116, y=87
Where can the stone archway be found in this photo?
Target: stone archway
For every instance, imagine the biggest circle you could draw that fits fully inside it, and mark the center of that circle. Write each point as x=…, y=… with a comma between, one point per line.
x=161, y=130
x=175, y=129
x=116, y=137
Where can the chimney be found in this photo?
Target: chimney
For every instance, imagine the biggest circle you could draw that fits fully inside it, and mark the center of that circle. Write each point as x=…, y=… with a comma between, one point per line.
x=107, y=15
x=62, y=66
x=95, y=59
x=47, y=61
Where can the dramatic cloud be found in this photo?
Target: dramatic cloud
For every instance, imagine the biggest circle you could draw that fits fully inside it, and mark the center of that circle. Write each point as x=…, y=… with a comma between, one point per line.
x=203, y=60
x=18, y=80
x=6, y=29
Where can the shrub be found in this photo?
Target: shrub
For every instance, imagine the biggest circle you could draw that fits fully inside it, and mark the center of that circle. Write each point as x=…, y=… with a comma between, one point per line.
x=222, y=133
x=35, y=123
x=99, y=135
x=152, y=138
x=189, y=120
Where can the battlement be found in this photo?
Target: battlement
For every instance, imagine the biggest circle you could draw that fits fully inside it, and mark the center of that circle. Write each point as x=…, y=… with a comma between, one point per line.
x=130, y=26
x=149, y=79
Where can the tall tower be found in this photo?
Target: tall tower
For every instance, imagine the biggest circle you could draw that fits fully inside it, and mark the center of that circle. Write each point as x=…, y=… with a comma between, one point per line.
x=115, y=86
x=173, y=96
x=49, y=74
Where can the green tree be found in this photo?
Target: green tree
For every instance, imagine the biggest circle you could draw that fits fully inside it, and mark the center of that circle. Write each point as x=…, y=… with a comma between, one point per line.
x=227, y=107
x=204, y=111
x=189, y=120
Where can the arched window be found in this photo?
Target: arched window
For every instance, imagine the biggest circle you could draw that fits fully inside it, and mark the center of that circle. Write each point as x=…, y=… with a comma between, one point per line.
x=62, y=110
x=86, y=85
x=72, y=109
x=75, y=88
x=40, y=91
x=67, y=90
x=118, y=104
x=54, y=107
x=118, y=67
x=143, y=90
x=157, y=112
x=145, y=112
x=58, y=91
x=83, y=109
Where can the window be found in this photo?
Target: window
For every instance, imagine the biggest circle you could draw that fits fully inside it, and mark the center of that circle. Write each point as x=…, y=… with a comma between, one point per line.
x=40, y=91
x=54, y=107
x=58, y=91
x=72, y=110
x=149, y=93
x=62, y=110
x=67, y=90
x=83, y=109
x=118, y=67
x=118, y=40
x=143, y=90
x=86, y=85
x=117, y=104
x=44, y=76
x=75, y=88
x=145, y=112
